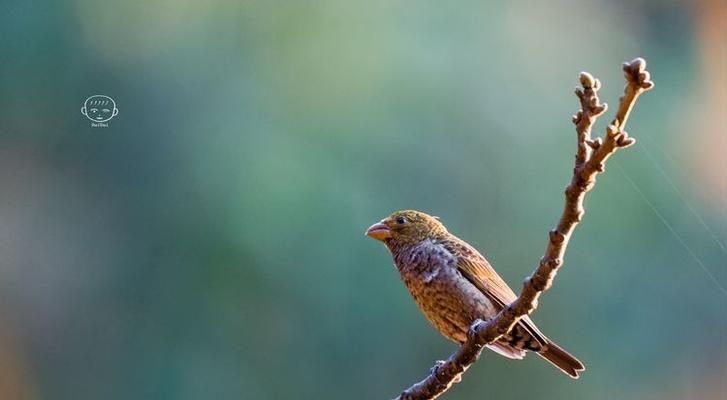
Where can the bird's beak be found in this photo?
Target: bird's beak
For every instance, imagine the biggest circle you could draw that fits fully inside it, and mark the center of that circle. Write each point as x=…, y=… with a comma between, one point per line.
x=378, y=231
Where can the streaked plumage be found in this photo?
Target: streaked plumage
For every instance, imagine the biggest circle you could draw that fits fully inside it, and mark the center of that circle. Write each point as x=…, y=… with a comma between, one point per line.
x=453, y=284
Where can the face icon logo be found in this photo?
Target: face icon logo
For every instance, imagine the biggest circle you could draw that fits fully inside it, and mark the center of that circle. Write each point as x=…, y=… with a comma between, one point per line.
x=99, y=108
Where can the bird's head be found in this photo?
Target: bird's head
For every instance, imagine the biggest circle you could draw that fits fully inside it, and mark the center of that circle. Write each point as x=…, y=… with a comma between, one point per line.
x=407, y=227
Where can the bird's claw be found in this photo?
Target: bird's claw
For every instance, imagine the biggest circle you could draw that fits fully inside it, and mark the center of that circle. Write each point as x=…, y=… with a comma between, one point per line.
x=475, y=327
x=436, y=366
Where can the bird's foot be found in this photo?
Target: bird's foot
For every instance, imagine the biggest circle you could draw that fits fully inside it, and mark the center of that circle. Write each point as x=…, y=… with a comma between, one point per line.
x=436, y=366
x=475, y=327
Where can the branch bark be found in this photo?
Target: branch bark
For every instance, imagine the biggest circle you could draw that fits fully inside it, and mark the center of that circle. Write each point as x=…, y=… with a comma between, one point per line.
x=591, y=156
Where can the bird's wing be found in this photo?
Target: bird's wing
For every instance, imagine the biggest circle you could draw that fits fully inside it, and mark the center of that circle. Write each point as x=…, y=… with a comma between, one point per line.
x=480, y=273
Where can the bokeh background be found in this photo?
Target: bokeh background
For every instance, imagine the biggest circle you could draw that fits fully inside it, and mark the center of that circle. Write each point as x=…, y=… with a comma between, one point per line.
x=209, y=242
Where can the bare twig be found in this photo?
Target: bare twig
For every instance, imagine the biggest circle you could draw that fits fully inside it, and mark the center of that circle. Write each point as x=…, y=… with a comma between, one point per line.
x=591, y=156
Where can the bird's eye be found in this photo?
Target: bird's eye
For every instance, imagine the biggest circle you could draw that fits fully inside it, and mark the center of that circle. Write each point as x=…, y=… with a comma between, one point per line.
x=400, y=220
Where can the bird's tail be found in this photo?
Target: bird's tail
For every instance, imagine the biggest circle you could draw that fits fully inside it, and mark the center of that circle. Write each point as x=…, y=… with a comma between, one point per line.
x=562, y=359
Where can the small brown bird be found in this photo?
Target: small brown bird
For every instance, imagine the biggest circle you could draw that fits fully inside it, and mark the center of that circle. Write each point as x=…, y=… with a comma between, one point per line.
x=453, y=285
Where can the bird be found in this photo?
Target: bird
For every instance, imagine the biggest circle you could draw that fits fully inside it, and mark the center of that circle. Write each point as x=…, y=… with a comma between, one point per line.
x=453, y=285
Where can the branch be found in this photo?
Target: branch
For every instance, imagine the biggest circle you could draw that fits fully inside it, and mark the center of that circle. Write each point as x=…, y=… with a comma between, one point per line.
x=591, y=156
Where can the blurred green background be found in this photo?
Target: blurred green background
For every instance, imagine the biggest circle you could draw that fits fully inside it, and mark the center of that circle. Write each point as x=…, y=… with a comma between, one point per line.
x=209, y=242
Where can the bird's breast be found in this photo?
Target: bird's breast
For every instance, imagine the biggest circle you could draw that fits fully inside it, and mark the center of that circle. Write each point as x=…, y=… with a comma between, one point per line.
x=448, y=300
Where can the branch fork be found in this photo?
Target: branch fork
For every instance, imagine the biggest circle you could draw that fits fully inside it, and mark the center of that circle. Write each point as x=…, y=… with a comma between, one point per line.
x=590, y=160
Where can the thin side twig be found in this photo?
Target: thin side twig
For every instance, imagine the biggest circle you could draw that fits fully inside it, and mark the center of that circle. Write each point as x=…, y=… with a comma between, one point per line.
x=591, y=156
